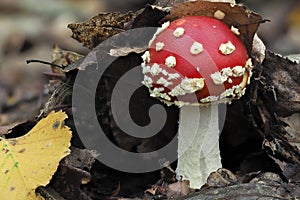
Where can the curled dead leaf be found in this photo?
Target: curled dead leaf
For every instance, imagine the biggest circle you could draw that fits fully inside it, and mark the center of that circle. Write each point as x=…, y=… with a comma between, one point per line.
x=99, y=28
x=68, y=181
x=63, y=58
x=150, y=16
x=221, y=178
x=283, y=77
x=178, y=189
x=125, y=51
x=258, y=49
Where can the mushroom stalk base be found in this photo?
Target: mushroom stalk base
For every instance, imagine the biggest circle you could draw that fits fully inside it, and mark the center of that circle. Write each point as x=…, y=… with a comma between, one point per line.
x=198, y=144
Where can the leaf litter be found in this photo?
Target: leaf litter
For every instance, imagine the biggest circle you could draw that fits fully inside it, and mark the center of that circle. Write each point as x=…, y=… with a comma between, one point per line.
x=247, y=22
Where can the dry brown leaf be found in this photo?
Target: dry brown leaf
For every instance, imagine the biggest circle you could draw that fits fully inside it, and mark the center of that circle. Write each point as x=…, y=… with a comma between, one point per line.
x=289, y=170
x=178, y=189
x=63, y=58
x=292, y=128
x=7, y=128
x=68, y=182
x=221, y=178
x=282, y=75
x=99, y=28
x=73, y=173
x=149, y=16
x=125, y=51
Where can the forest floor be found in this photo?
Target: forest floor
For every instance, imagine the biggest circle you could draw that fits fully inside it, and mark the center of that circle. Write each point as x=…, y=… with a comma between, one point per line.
x=29, y=32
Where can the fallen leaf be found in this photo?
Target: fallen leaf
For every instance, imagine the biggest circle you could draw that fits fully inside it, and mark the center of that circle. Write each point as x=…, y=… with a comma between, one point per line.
x=29, y=161
x=49, y=193
x=293, y=128
x=273, y=97
x=178, y=189
x=63, y=58
x=166, y=190
x=221, y=178
x=99, y=28
x=68, y=182
x=282, y=77
x=80, y=158
x=167, y=3
x=73, y=172
x=289, y=170
x=267, y=177
x=294, y=58
x=125, y=51
x=7, y=128
x=152, y=190
x=258, y=49
x=150, y=16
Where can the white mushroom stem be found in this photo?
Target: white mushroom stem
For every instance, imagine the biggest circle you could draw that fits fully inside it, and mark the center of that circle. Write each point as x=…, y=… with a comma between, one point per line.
x=198, y=144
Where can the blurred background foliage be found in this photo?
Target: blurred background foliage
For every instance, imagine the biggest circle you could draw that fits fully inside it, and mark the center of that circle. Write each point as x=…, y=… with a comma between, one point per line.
x=30, y=28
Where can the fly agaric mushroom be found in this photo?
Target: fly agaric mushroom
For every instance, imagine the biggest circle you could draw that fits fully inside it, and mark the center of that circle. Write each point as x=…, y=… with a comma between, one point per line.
x=197, y=61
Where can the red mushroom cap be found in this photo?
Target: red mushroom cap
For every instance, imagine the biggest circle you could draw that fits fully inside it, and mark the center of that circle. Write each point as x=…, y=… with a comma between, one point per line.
x=196, y=60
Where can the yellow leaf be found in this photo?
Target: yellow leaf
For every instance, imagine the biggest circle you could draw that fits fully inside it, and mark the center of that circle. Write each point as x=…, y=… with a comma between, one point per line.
x=30, y=161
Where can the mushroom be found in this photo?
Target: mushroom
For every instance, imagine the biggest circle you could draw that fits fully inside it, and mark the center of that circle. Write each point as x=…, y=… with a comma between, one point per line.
x=196, y=62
